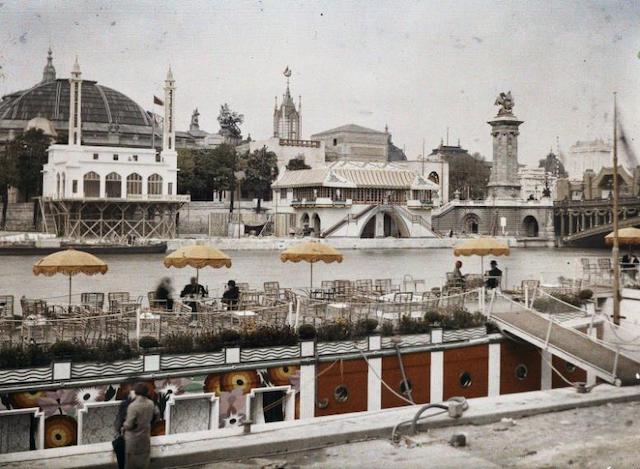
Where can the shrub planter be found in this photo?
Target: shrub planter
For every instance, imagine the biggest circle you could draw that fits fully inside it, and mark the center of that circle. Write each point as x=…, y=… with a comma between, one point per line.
x=193, y=360
x=94, y=369
x=343, y=346
x=464, y=334
x=26, y=375
x=410, y=340
x=269, y=353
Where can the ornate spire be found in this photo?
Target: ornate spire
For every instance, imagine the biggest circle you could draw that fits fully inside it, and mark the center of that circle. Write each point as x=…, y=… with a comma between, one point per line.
x=75, y=71
x=49, y=72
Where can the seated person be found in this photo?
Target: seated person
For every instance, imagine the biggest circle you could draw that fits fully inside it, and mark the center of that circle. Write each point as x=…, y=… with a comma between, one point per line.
x=231, y=295
x=163, y=296
x=193, y=289
x=457, y=276
x=495, y=275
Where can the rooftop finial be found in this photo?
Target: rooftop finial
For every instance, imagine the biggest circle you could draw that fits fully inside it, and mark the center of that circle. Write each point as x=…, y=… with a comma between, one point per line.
x=49, y=72
x=169, y=74
x=75, y=71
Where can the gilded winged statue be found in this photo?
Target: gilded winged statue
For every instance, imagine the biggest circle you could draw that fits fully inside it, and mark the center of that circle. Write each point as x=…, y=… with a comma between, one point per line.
x=506, y=103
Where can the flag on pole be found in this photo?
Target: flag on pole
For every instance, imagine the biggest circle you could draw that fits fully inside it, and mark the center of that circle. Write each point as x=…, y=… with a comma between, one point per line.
x=157, y=101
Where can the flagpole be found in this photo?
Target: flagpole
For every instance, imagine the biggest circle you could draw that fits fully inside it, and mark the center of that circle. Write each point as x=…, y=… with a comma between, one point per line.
x=153, y=125
x=615, y=252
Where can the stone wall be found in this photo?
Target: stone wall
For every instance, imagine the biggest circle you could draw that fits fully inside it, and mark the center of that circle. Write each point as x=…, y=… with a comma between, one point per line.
x=19, y=216
x=460, y=219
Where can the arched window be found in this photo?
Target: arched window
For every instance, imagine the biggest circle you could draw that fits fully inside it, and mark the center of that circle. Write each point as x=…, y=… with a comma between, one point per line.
x=91, y=184
x=58, y=185
x=134, y=184
x=64, y=185
x=113, y=185
x=154, y=184
x=433, y=177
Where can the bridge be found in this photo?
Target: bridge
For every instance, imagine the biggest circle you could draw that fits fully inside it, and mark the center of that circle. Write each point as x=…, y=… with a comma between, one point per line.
x=584, y=221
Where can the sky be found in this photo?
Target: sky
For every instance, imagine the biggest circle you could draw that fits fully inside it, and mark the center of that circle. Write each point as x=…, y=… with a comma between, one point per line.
x=419, y=67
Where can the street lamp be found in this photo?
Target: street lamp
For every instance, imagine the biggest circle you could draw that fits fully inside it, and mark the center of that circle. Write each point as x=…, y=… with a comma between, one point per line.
x=240, y=176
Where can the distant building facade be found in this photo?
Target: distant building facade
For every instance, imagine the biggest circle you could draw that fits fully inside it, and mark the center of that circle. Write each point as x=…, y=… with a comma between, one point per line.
x=536, y=183
x=356, y=143
x=111, y=192
x=109, y=117
x=593, y=155
x=599, y=185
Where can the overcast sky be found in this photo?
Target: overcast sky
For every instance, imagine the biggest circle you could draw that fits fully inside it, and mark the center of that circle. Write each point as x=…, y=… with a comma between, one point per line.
x=418, y=66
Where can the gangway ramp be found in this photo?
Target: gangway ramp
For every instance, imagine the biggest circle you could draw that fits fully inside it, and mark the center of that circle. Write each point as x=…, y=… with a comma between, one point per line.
x=541, y=330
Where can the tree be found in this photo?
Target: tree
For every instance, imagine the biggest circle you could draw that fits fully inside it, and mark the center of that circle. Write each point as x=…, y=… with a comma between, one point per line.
x=205, y=171
x=468, y=175
x=230, y=121
x=261, y=169
x=28, y=151
x=296, y=164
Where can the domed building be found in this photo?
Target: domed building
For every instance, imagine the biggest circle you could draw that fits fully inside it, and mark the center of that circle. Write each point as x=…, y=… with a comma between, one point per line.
x=108, y=116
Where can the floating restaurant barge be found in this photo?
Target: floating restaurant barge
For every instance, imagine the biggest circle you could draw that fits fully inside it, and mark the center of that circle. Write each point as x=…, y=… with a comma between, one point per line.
x=400, y=349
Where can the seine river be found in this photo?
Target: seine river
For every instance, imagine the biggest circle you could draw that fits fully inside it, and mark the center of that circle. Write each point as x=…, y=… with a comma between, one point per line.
x=138, y=274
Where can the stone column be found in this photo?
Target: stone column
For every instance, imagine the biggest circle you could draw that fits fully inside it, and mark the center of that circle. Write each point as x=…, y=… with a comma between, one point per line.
x=504, y=182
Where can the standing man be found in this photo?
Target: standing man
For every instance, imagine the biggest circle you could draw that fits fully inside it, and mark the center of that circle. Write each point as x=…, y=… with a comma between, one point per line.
x=137, y=429
x=495, y=276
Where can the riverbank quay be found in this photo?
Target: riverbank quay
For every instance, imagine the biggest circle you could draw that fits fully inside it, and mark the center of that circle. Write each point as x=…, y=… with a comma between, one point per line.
x=272, y=243
x=279, y=439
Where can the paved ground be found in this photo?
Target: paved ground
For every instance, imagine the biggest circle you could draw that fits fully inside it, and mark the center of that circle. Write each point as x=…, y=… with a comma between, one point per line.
x=599, y=437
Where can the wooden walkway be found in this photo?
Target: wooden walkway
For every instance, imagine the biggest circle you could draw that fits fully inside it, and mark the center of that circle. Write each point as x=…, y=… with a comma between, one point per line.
x=570, y=344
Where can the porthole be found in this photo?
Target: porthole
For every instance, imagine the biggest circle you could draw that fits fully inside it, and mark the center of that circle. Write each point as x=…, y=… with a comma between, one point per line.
x=570, y=367
x=522, y=372
x=405, y=388
x=341, y=393
x=465, y=379
x=323, y=403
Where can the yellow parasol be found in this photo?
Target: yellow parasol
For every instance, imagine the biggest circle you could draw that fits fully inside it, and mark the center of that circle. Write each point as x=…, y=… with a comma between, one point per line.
x=70, y=262
x=311, y=252
x=482, y=247
x=627, y=236
x=197, y=256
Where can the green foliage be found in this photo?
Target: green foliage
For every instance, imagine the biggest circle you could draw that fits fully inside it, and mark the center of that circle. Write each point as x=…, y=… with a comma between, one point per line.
x=387, y=329
x=585, y=294
x=468, y=174
x=334, y=331
x=230, y=337
x=230, y=121
x=261, y=169
x=204, y=171
x=307, y=332
x=148, y=342
x=296, y=164
x=410, y=325
x=26, y=155
x=208, y=342
x=32, y=355
x=18, y=356
x=269, y=336
x=178, y=343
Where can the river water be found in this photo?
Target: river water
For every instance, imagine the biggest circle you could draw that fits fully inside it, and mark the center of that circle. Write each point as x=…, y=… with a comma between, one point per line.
x=138, y=274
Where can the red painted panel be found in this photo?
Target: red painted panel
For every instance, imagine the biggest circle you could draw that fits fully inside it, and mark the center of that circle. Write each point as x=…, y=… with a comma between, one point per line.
x=473, y=360
x=352, y=374
x=568, y=370
x=520, y=367
x=417, y=367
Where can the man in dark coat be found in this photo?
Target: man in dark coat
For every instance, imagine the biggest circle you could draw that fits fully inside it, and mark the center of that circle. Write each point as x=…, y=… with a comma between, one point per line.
x=195, y=290
x=137, y=429
x=495, y=276
x=231, y=295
